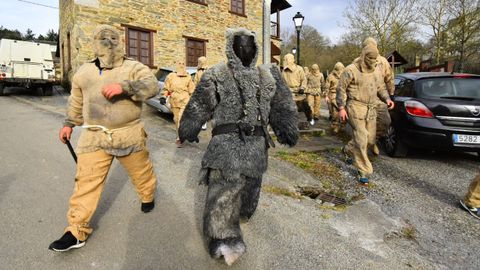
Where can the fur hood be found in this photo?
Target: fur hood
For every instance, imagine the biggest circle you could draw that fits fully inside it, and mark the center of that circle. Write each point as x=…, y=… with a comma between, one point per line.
x=233, y=61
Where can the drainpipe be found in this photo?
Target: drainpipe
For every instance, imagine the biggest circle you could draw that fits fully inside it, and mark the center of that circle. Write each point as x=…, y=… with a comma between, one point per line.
x=266, y=32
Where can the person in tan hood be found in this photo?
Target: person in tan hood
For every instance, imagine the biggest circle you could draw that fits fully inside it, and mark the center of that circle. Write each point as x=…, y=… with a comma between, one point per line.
x=306, y=70
x=179, y=86
x=357, y=93
x=331, y=95
x=383, y=116
x=315, y=84
x=106, y=100
x=296, y=81
x=201, y=67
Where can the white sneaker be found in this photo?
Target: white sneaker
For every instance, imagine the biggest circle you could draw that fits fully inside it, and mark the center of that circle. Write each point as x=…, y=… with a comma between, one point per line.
x=312, y=122
x=204, y=126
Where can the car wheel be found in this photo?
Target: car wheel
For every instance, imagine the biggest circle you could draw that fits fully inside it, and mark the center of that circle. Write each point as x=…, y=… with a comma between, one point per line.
x=393, y=146
x=2, y=89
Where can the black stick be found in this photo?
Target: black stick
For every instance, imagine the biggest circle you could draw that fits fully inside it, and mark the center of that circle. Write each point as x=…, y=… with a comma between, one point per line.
x=71, y=150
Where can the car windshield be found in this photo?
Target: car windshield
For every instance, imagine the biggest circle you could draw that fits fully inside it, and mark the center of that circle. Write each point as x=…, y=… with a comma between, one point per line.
x=162, y=74
x=448, y=88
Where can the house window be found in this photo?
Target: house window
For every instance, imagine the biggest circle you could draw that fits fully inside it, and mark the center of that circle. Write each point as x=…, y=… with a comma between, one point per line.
x=140, y=44
x=203, y=2
x=238, y=7
x=195, y=49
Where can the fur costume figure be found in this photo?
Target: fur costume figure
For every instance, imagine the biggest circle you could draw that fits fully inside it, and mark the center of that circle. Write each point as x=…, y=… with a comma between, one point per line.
x=241, y=100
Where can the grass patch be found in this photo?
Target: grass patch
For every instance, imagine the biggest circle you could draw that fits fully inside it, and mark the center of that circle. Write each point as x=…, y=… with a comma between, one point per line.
x=281, y=191
x=326, y=216
x=314, y=163
x=338, y=208
x=409, y=232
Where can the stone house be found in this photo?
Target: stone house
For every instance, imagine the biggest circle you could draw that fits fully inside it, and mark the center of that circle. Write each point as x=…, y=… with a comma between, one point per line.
x=158, y=32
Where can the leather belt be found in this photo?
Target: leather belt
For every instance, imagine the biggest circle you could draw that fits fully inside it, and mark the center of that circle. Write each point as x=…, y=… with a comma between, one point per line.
x=247, y=130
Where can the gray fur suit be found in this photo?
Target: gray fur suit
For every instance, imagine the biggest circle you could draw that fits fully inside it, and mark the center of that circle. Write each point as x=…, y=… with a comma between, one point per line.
x=234, y=163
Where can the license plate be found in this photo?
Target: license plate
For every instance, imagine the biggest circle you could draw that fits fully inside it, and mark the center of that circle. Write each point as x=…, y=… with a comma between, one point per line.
x=466, y=139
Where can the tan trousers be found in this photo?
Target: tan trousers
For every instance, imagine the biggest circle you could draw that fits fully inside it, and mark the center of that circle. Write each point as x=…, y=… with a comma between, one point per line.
x=383, y=119
x=314, y=103
x=363, y=138
x=472, y=198
x=335, y=122
x=177, y=115
x=92, y=170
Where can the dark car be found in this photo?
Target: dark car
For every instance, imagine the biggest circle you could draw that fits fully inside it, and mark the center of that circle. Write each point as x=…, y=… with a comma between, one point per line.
x=435, y=111
x=161, y=76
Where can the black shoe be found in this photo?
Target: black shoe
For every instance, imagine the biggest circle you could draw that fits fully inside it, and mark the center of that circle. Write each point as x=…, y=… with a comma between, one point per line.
x=67, y=242
x=147, y=207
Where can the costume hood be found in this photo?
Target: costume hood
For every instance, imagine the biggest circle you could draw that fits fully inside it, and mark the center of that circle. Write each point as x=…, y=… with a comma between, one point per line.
x=289, y=60
x=366, y=63
x=338, y=68
x=315, y=69
x=107, y=46
x=233, y=61
x=202, y=62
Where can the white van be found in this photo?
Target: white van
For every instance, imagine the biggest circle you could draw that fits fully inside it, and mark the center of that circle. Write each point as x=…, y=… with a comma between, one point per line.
x=26, y=64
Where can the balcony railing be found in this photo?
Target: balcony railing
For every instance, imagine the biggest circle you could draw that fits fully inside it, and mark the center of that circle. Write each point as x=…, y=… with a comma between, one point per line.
x=274, y=29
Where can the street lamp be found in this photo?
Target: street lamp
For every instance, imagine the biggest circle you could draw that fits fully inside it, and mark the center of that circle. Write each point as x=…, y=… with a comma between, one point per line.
x=298, y=21
x=294, y=50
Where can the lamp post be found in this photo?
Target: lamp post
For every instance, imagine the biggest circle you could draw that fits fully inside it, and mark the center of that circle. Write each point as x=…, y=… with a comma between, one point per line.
x=298, y=21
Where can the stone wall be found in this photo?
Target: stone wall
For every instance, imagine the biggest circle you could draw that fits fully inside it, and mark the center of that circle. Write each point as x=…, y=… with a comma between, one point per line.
x=171, y=19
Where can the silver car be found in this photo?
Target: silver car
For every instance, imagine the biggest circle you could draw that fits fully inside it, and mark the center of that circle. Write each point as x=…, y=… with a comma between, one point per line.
x=161, y=76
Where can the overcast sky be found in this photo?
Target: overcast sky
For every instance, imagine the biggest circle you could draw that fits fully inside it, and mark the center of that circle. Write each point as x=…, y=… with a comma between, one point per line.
x=325, y=15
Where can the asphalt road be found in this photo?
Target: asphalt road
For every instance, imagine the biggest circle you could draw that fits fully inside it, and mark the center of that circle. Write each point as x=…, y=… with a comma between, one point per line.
x=36, y=180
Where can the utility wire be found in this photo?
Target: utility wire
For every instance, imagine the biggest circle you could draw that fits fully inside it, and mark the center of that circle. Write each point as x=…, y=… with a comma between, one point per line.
x=38, y=4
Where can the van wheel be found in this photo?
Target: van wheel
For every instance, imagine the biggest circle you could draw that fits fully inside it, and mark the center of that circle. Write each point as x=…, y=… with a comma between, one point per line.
x=2, y=89
x=393, y=145
x=39, y=91
x=48, y=90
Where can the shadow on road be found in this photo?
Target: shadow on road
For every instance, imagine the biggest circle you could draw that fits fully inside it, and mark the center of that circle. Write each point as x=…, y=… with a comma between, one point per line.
x=5, y=182
x=169, y=244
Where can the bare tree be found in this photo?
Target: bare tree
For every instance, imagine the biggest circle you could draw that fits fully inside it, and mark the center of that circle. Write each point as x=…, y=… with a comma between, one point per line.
x=435, y=14
x=388, y=21
x=464, y=31
x=312, y=44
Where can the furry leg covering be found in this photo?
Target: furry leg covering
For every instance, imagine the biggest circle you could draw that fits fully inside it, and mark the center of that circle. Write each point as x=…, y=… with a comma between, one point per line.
x=250, y=196
x=221, y=219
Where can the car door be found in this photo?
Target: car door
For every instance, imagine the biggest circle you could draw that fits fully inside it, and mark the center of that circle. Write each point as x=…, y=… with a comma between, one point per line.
x=403, y=91
x=453, y=100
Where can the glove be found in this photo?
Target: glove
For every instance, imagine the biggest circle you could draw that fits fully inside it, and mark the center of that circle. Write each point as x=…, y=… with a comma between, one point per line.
x=163, y=100
x=65, y=134
x=301, y=91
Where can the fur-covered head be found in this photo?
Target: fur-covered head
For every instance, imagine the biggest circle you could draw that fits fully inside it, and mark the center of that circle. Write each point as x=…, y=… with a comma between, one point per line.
x=233, y=61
